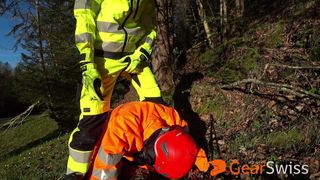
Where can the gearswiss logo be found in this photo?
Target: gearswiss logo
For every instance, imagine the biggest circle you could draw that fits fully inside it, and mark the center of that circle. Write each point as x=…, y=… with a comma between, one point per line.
x=270, y=167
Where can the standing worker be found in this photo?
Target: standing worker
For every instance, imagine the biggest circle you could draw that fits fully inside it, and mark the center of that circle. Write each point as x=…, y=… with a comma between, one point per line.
x=114, y=37
x=147, y=134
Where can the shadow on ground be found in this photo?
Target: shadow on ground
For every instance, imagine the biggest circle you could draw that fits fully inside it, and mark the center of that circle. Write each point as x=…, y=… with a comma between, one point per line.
x=180, y=97
x=30, y=145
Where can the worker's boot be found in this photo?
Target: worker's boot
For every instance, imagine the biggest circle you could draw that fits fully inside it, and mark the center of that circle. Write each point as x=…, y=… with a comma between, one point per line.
x=73, y=176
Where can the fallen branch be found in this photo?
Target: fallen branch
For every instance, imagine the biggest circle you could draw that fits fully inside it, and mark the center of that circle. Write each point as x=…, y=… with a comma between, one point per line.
x=285, y=87
x=288, y=67
x=19, y=119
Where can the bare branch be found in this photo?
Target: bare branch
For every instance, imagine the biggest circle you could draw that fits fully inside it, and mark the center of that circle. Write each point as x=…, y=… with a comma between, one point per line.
x=288, y=67
x=19, y=119
x=294, y=67
x=285, y=87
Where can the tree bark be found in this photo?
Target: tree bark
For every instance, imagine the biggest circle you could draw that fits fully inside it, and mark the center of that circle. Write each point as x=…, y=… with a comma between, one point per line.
x=239, y=8
x=163, y=64
x=204, y=19
x=223, y=20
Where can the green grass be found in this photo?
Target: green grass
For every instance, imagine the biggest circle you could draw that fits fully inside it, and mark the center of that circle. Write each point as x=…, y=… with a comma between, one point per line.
x=32, y=150
x=35, y=128
x=274, y=38
x=285, y=140
x=242, y=139
x=45, y=161
x=215, y=104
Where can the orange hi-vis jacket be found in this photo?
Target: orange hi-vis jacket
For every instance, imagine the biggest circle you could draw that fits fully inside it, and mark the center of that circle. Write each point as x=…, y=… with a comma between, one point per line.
x=128, y=127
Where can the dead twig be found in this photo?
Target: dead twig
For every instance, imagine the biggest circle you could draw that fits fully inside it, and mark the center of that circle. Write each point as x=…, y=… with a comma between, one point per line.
x=213, y=135
x=284, y=87
x=19, y=119
x=288, y=67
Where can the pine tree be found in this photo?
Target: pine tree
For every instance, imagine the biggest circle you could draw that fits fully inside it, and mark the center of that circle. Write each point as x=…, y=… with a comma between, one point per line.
x=48, y=72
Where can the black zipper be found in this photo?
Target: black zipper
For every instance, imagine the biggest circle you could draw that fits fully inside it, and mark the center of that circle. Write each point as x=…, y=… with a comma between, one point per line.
x=122, y=27
x=135, y=13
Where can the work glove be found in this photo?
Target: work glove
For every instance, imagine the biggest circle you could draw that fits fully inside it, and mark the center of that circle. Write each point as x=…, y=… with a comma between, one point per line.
x=139, y=59
x=91, y=80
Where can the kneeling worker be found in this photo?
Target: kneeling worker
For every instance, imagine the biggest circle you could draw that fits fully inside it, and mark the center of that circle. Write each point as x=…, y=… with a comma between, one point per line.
x=149, y=134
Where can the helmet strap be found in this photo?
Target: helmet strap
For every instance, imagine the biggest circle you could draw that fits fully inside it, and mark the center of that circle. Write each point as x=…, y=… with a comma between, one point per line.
x=147, y=154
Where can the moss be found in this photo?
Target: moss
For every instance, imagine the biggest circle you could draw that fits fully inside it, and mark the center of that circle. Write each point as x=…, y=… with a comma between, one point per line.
x=250, y=59
x=315, y=90
x=167, y=96
x=315, y=54
x=242, y=139
x=216, y=106
x=216, y=58
x=285, y=140
x=230, y=75
x=273, y=157
x=213, y=57
x=239, y=67
x=256, y=125
x=299, y=44
x=299, y=58
x=274, y=38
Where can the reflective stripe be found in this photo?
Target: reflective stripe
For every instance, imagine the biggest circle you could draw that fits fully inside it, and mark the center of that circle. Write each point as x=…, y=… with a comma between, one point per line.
x=138, y=31
x=149, y=41
x=110, y=27
x=86, y=4
x=105, y=174
x=110, y=55
x=78, y=156
x=84, y=37
x=115, y=46
x=112, y=46
x=109, y=159
x=82, y=4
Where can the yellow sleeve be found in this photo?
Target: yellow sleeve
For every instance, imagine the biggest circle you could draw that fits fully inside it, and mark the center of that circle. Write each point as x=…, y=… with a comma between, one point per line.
x=149, y=22
x=85, y=12
x=148, y=43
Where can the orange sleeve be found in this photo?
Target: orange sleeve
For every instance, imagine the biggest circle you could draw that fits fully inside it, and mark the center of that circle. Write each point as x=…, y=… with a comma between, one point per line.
x=107, y=162
x=172, y=118
x=202, y=161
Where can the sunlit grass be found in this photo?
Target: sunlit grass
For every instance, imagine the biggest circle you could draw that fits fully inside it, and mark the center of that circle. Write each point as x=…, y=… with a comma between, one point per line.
x=34, y=129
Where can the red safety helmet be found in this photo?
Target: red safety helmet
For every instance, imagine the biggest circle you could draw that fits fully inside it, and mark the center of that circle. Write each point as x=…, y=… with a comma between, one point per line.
x=175, y=153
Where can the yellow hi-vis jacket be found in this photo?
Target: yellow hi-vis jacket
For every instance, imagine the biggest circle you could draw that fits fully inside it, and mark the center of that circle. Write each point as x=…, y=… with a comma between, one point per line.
x=129, y=126
x=114, y=28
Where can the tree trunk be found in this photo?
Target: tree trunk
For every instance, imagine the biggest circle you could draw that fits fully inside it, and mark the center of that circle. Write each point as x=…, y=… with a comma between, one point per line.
x=223, y=20
x=239, y=8
x=204, y=19
x=164, y=63
x=41, y=55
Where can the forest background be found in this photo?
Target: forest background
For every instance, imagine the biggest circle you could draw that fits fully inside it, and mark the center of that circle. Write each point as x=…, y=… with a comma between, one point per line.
x=243, y=73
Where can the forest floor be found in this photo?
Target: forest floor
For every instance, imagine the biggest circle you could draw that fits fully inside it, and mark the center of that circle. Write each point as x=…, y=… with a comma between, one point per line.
x=255, y=98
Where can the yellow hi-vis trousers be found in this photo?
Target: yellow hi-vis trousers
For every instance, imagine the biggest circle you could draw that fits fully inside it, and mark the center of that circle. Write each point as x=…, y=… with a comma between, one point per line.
x=94, y=113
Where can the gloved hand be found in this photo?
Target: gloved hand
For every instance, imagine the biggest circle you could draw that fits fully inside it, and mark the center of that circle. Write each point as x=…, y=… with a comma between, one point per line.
x=137, y=60
x=91, y=80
